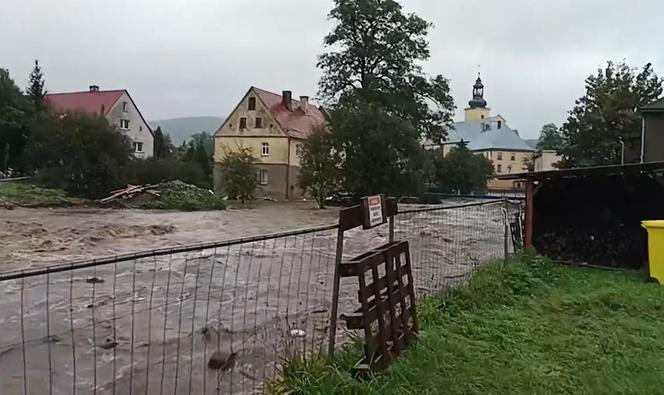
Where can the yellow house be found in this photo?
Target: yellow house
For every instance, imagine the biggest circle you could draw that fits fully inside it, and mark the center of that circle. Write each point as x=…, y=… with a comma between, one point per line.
x=489, y=136
x=274, y=127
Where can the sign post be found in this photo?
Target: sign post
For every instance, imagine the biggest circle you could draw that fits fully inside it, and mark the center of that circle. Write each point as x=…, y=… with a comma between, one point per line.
x=374, y=211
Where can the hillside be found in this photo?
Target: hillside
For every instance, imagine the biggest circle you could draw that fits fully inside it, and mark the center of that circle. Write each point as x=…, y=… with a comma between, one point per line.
x=181, y=129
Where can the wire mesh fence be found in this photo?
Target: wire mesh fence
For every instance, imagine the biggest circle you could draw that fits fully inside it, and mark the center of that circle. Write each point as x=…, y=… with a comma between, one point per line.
x=448, y=243
x=213, y=318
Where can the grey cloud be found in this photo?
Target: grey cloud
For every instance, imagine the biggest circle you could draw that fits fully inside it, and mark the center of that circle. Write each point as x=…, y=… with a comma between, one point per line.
x=181, y=58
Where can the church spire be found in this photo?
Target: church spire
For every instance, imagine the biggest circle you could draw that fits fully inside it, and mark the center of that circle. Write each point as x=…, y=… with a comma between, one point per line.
x=478, y=94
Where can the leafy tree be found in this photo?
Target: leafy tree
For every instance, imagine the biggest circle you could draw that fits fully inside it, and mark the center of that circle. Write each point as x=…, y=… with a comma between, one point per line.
x=79, y=153
x=550, y=138
x=15, y=117
x=36, y=90
x=239, y=174
x=381, y=102
x=607, y=113
x=377, y=54
x=319, y=166
x=380, y=153
x=462, y=171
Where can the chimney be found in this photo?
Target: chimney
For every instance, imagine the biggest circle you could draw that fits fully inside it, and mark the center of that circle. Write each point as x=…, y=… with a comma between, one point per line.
x=287, y=99
x=94, y=88
x=304, y=103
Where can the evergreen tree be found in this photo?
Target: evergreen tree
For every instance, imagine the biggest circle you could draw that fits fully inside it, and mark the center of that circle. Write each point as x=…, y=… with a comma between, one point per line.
x=607, y=114
x=36, y=88
x=163, y=148
x=202, y=158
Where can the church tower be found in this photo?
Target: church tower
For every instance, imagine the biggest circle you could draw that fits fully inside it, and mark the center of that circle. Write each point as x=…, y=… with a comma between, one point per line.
x=478, y=108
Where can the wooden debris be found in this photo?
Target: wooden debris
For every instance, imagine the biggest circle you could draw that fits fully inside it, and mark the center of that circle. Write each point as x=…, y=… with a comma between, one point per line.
x=130, y=192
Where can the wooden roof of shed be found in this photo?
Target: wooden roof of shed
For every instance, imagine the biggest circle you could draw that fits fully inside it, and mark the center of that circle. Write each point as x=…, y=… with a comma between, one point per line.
x=631, y=168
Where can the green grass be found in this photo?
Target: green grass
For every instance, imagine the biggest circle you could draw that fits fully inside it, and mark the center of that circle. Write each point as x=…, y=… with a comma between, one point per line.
x=29, y=195
x=526, y=327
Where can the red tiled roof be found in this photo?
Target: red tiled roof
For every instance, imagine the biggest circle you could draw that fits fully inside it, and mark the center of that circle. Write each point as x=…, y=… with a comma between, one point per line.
x=296, y=123
x=99, y=102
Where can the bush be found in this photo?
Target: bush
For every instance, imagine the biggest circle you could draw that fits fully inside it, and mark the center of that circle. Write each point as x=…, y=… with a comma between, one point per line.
x=81, y=154
x=157, y=170
x=177, y=195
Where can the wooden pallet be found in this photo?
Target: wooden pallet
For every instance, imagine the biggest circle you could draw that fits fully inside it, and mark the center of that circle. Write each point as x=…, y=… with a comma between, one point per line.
x=387, y=312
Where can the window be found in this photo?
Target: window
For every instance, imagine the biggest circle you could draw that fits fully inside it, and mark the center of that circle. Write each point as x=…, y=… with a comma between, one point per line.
x=243, y=123
x=124, y=124
x=138, y=147
x=265, y=149
x=140, y=128
x=259, y=123
x=252, y=104
x=482, y=116
x=499, y=168
x=509, y=168
x=500, y=124
x=125, y=106
x=263, y=177
x=513, y=157
x=500, y=156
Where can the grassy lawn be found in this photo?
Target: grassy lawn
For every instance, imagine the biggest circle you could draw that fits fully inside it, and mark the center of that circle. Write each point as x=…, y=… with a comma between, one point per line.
x=28, y=195
x=526, y=327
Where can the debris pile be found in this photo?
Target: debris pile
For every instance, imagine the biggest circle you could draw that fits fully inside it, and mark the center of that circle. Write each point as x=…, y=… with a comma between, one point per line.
x=171, y=195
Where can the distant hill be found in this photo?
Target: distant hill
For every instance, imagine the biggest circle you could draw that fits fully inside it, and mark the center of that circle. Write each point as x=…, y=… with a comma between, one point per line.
x=181, y=129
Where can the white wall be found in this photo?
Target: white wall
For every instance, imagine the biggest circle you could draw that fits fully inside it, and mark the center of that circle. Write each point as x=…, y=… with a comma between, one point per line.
x=138, y=131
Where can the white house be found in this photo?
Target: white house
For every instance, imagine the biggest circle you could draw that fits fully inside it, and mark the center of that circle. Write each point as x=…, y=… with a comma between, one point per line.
x=116, y=106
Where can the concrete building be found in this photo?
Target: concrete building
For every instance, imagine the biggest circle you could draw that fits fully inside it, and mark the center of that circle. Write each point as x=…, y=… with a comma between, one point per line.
x=652, y=139
x=489, y=136
x=274, y=127
x=116, y=106
x=545, y=160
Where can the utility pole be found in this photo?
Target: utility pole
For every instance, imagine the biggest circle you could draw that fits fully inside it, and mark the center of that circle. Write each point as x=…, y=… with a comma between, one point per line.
x=622, y=151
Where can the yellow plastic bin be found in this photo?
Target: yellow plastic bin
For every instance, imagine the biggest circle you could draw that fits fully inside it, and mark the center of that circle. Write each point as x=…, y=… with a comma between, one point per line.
x=655, y=248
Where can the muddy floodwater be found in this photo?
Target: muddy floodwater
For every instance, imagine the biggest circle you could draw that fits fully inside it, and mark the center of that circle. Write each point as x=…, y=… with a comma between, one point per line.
x=151, y=325
x=36, y=237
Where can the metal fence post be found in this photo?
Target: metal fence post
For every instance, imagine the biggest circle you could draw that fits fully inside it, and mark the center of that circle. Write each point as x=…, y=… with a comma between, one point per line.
x=335, y=292
x=507, y=230
x=391, y=227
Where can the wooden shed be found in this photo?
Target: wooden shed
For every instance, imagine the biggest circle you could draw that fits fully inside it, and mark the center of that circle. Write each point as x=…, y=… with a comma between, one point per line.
x=593, y=215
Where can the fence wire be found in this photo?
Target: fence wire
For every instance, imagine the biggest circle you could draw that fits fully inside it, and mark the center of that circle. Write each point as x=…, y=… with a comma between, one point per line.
x=448, y=243
x=214, y=318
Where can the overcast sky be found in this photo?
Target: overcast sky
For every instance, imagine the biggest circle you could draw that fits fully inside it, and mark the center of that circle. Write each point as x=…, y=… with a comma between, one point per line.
x=197, y=57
